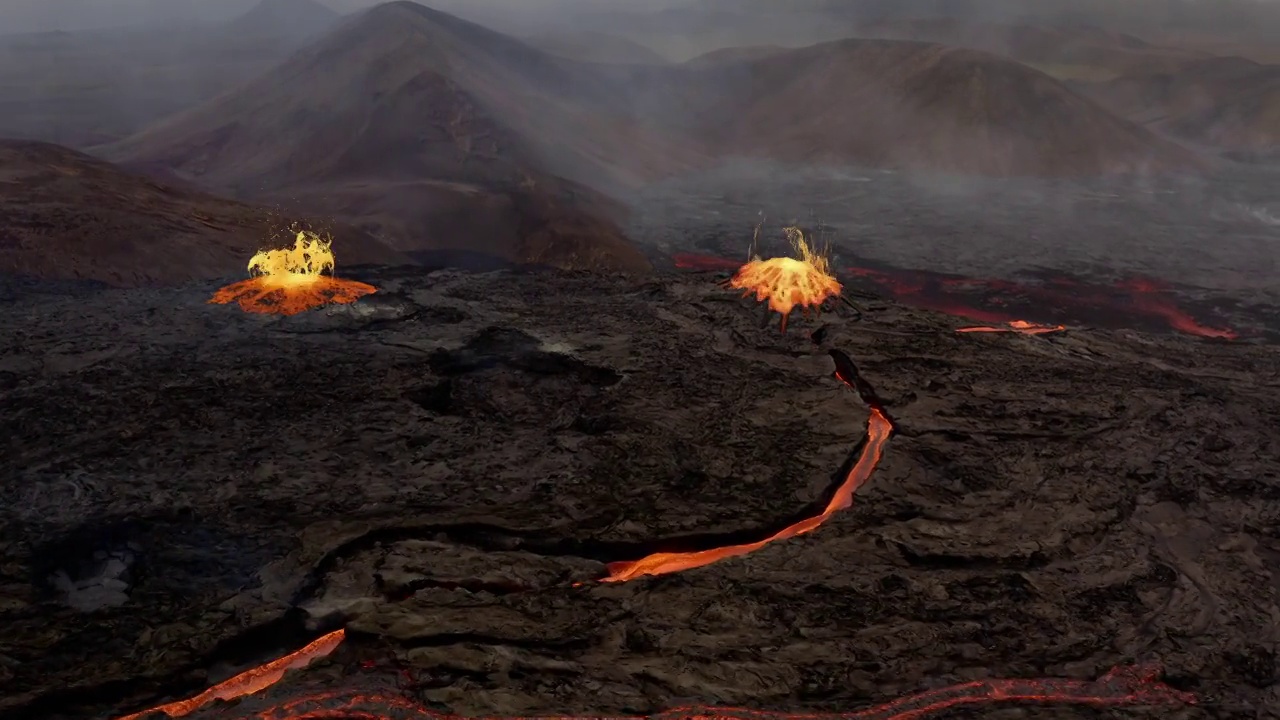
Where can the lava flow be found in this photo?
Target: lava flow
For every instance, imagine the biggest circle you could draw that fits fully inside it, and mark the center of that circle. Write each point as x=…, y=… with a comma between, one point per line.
x=288, y=281
x=994, y=301
x=879, y=430
x=1021, y=327
x=251, y=681
x=1122, y=686
x=804, y=281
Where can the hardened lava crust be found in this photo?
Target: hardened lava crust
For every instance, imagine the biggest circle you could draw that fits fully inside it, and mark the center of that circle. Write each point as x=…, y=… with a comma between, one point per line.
x=445, y=468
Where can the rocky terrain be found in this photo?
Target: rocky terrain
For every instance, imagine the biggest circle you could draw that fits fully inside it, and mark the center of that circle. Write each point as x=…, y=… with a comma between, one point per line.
x=191, y=490
x=67, y=216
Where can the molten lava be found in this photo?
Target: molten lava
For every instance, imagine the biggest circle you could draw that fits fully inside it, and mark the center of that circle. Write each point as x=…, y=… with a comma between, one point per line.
x=1014, y=326
x=804, y=281
x=251, y=681
x=288, y=281
x=1102, y=305
x=879, y=428
x=1125, y=685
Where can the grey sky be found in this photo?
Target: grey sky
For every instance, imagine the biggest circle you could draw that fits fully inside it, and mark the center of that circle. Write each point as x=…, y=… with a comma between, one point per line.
x=72, y=15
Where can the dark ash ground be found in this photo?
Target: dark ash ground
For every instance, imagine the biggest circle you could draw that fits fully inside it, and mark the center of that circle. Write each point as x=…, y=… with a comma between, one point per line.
x=190, y=490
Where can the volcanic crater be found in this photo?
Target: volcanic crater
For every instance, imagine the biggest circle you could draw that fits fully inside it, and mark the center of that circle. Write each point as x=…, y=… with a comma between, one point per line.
x=444, y=469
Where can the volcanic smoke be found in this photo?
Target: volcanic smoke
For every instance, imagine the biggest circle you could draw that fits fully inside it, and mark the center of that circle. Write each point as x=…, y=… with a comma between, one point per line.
x=288, y=281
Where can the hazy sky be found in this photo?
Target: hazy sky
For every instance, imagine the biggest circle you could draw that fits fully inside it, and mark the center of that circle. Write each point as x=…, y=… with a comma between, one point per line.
x=42, y=15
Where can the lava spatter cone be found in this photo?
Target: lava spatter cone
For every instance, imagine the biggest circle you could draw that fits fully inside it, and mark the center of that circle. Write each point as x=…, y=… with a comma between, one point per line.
x=287, y=281
x=785, y=283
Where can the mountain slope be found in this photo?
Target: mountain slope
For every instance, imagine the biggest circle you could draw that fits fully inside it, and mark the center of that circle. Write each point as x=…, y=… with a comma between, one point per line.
x=906, y=105
x=1230, y=102
x=409, y=120
x=1065, y=51
x=70, y=216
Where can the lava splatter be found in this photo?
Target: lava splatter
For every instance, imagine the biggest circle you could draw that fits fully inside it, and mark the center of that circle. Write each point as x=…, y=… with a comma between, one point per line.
x=786, y=283
x=997, y=302
x=288, y=281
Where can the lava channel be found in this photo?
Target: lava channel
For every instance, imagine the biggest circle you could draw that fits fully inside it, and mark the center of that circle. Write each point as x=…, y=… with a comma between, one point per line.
x=251, y=681
x=879, y=430
x=1021, y=327
x=1138, y=685
x=953, y=295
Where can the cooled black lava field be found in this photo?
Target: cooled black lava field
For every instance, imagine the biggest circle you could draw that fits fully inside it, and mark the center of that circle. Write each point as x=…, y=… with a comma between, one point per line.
x=445, y=467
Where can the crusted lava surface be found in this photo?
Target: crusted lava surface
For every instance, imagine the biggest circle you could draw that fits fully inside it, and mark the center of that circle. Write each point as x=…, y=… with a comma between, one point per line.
x=445, y=467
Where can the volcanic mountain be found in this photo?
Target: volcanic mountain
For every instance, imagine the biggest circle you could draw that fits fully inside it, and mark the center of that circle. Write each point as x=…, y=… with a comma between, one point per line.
x=422, y=126
x=908, y=105
x=70, y=216
x=432, y=131
x=1075, y=52
x=1228, y=102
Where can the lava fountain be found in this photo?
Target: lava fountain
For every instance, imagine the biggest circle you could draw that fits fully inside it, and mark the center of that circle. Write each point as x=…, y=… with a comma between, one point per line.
x=288, y=281
x=785, y=283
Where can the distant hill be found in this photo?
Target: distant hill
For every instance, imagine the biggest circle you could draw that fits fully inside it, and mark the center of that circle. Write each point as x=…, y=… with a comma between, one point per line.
x=70, y=216
x=907, y=105
x=413, y=123
x=1068, y=52
x=596, y=47
x=1230, y=103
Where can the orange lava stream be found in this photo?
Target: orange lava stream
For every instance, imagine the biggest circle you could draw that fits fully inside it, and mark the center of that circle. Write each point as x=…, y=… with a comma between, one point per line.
x=251, y=681
x=1134, y=685
x=879, y=428
x=1021, y=327
x=266, y=295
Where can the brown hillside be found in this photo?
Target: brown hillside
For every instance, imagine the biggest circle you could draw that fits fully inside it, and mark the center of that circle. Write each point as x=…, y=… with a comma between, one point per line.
x=474, y=105
x=409, y=121
x=1081, y=52
x=911, y=105
x=65, y=215
x=1229, y=102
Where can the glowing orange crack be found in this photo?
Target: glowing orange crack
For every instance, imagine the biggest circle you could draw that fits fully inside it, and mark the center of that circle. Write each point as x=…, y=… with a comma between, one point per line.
x=879, y=428
x=251, y=681
x=1021, y=327
x=1138, y=685
x=288, y=281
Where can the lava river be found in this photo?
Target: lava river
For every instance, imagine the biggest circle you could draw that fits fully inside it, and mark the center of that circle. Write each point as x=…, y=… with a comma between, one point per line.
x=1119, y=305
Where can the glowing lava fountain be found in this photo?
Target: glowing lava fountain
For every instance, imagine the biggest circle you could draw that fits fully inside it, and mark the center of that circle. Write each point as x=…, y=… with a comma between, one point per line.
x=804, y=281
x=288, y=281
x=1021, y=327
